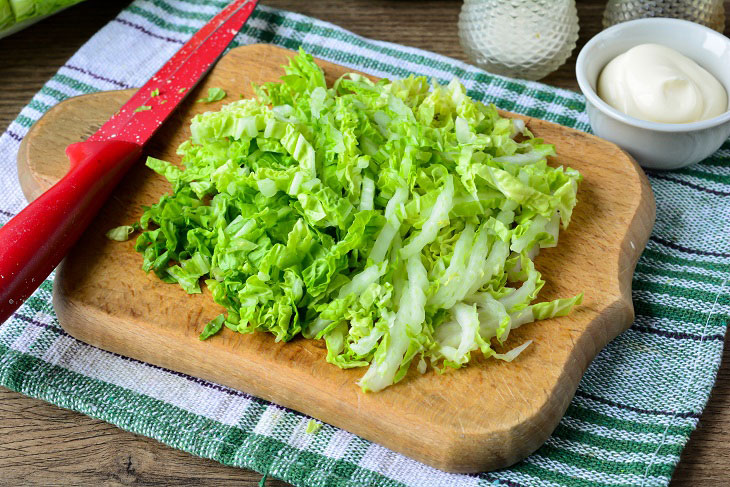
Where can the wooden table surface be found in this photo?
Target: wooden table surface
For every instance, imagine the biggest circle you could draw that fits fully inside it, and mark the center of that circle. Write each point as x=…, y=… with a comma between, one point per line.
x=44, y=445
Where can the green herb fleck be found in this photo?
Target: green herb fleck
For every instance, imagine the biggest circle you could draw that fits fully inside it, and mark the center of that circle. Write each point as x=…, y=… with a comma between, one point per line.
x=122, y=233
x=213, y=327
x=313, y=427
x=155, y=92
x=181, y=90
x=214, y=94
x=163, y=101
x=142, y=108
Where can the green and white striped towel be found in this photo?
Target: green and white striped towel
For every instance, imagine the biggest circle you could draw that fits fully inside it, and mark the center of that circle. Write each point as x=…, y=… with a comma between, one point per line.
x=634, y=409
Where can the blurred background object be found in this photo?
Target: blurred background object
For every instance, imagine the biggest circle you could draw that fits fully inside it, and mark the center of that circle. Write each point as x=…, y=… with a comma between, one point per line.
x=706, y=12
x=519, y=38
x=18, y=14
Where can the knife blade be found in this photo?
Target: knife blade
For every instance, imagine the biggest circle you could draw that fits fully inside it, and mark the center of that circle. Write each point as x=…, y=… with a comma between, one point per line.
x=35, y=241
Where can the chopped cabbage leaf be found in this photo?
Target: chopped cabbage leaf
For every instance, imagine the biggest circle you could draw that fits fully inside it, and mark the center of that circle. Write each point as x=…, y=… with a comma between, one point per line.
x=395, y=220
x=214, y=94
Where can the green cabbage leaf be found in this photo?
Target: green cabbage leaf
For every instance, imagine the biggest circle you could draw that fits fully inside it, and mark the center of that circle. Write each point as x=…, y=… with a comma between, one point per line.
x=397, y=221
x=16, y=14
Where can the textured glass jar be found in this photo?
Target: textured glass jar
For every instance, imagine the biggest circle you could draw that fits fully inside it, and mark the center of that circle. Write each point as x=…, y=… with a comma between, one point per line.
x=706, y=12
x=520, y=38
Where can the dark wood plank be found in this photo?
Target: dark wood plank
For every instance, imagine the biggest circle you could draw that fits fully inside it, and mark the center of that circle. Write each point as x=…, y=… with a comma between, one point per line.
x=47, y=446
x=95, y=453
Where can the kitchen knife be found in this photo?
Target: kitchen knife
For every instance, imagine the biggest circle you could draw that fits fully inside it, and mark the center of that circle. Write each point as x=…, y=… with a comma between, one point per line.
x=33, y=242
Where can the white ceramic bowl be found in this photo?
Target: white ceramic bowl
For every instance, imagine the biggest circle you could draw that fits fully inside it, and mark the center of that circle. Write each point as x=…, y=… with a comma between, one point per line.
x=656, y=145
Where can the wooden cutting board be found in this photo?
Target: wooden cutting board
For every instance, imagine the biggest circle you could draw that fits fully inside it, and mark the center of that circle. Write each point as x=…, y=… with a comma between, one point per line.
x=487, y=415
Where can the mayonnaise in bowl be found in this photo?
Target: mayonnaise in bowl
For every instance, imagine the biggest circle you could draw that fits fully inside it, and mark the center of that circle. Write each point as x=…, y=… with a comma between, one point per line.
x=656, y=83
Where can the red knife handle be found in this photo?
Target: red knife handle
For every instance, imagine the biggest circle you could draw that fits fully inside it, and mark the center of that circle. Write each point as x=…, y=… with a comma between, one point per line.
x=33, y=243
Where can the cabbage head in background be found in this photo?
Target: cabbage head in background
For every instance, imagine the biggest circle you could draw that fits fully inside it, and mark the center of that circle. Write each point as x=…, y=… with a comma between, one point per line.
x=17, y=14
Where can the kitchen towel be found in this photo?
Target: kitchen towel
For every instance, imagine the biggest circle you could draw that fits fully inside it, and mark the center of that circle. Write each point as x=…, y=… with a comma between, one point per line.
x=633, y=411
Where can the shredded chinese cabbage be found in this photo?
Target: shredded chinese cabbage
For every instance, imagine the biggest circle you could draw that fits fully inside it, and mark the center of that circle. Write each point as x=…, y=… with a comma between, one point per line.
x=393, y=219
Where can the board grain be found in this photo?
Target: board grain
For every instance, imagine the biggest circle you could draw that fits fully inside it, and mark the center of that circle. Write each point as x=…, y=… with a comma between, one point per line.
x=482, y=417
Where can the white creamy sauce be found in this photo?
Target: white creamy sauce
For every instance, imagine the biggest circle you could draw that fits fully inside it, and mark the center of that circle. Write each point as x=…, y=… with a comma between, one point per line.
x=658, y=84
